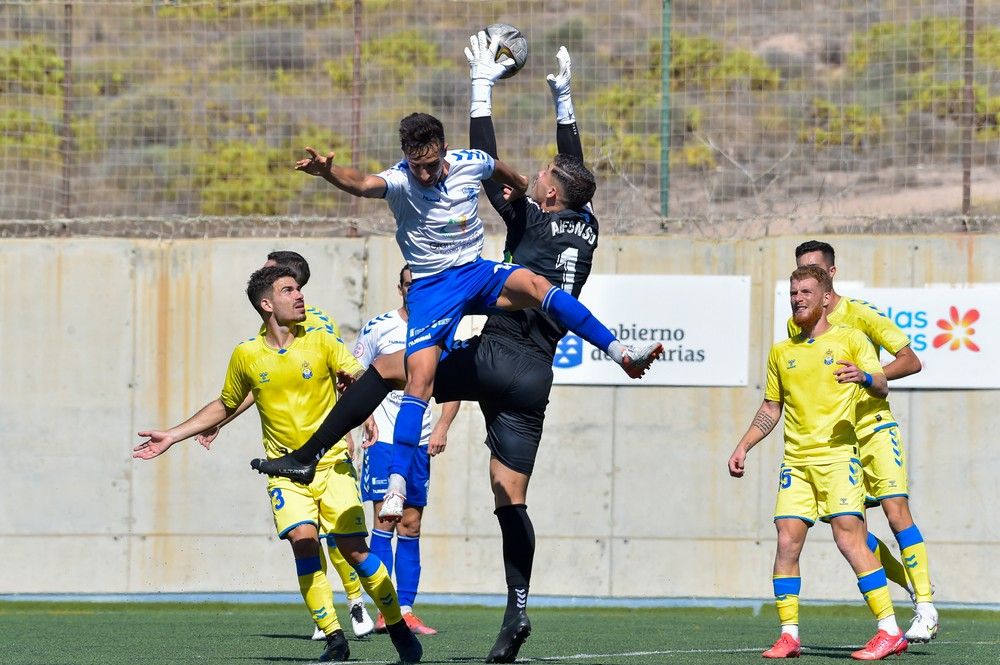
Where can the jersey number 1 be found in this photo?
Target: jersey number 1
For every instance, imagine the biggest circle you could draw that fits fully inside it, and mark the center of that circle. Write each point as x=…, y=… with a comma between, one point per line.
x=567, y=261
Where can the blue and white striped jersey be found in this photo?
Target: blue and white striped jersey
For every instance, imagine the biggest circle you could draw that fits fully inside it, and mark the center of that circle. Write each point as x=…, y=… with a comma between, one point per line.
x=439, y=227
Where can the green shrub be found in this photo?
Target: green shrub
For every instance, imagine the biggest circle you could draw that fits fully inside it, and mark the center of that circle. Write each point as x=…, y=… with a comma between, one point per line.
x=848, y=125
x=392, y=59
x=32, y=68
x=245, y=178
x=702, y=63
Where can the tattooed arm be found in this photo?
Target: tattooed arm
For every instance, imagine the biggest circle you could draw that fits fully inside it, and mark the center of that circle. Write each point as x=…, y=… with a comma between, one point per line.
x=763, y=422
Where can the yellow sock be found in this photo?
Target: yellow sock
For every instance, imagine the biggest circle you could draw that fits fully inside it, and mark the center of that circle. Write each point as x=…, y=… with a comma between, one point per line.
x=875, y=588
x=911, y=546
x=317, y=593
x=349, y=576
x=786, y=597
x=893, y=568
x=375, y=579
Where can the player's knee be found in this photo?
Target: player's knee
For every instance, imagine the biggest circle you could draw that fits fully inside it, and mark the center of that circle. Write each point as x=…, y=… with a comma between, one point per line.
x=304, y=542
x=539, y=287
x=420, y=379
x=898, y=516
x=789, y=544
x=353, y=548
x=409, y=530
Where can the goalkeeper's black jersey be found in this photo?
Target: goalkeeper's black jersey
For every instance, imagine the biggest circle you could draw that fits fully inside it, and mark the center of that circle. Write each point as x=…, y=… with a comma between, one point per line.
x=556, y=245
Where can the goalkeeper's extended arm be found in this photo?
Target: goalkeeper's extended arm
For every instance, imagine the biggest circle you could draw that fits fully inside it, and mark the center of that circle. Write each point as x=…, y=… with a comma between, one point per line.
x=482, y=137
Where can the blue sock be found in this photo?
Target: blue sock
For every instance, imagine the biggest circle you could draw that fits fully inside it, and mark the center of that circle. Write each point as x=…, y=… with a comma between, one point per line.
x=407, y=568
x=568, y=311
x=381, y=546
x=406, y=437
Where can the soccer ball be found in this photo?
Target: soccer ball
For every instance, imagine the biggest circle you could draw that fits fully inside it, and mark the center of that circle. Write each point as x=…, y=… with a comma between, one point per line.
x=512, y=45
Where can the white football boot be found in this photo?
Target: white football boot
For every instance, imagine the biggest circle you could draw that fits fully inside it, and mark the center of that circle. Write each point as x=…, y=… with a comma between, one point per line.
x=361, y=622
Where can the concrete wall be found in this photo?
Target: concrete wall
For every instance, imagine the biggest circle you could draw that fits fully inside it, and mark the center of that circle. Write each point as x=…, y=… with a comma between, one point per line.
x=101, y=338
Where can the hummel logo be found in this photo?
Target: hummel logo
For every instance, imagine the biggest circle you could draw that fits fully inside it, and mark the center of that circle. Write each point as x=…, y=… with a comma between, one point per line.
x=791, y=363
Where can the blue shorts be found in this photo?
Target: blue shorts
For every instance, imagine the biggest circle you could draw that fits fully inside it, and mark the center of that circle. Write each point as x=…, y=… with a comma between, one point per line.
x=437, y=303
x=375, y=474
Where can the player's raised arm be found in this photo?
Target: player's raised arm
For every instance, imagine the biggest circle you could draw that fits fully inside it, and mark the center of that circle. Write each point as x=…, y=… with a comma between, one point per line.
x=345, y=178
x=567, y=133
x=484, y=71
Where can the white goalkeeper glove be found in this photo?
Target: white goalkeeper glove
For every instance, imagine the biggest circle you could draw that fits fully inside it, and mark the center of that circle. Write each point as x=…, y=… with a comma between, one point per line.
x=559, y=85
x=484, y=70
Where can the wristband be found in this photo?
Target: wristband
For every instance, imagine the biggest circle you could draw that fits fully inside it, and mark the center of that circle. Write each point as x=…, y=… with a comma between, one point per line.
x=482, y=98
x=564, y=109
x=867, y=383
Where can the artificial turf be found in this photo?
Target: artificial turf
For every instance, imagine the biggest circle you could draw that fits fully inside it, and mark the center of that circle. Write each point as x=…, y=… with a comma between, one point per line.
x=42, y=633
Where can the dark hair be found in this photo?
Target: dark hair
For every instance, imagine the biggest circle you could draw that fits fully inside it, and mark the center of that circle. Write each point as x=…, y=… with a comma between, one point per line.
x=406, y=266
x=821, y=276
x=289, y=259
x=262, y=280
x=817, y=246
x=418, y=132
x=578, y=183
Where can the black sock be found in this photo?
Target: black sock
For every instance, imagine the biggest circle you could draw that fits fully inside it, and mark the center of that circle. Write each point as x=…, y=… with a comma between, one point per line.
x=352, y=409
x=518, y=555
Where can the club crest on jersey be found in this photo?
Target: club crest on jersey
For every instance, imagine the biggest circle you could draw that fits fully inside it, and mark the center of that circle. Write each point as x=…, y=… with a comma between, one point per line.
x=307, y=372
x=828, y=358
x=456, y=224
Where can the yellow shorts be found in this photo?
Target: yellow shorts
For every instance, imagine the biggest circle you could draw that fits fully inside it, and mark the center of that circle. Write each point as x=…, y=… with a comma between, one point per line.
x=884, y=463
x=811, y=492
x=331, y=502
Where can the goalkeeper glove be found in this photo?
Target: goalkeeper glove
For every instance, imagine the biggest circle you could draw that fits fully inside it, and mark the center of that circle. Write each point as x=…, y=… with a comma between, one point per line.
x=559, y=85
x=484, y=70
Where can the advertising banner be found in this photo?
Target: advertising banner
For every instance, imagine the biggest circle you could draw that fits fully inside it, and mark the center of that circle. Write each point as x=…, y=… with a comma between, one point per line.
x=702, y=321
x=954, y=330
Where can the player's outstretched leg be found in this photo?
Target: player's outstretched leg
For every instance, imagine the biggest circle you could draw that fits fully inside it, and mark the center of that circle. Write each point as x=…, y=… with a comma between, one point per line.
x=635, y=362
x=357, y=403
x=285, y=466
x=571, y=313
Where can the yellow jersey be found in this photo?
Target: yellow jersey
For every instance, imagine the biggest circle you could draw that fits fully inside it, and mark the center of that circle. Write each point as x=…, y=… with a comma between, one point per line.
x=873, y=412
x=294, y=387
x=820, y=414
